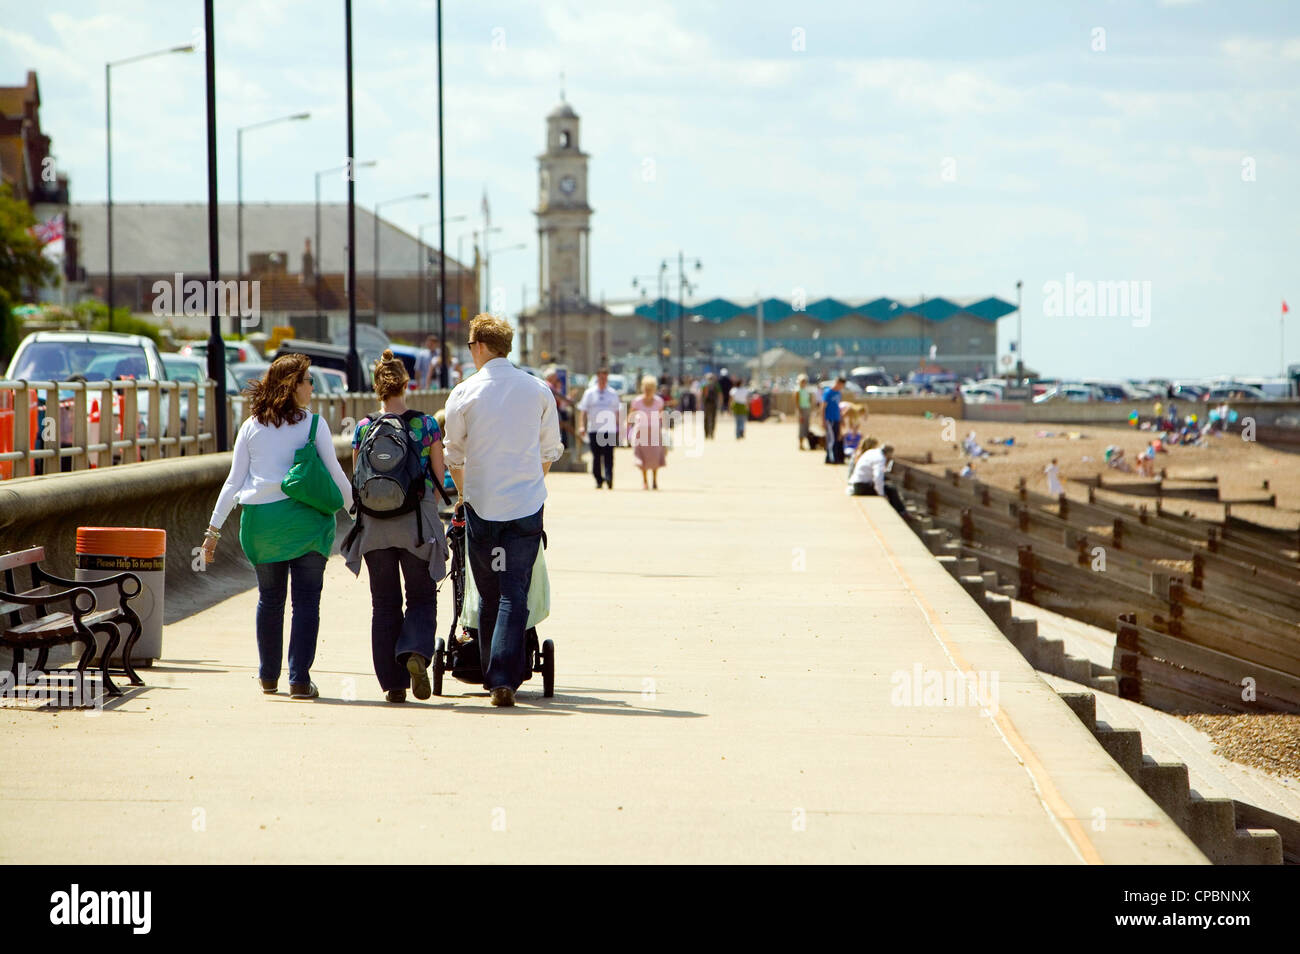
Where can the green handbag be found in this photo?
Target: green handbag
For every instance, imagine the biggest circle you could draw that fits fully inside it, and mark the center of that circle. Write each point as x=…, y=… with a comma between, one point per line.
x=308, y=481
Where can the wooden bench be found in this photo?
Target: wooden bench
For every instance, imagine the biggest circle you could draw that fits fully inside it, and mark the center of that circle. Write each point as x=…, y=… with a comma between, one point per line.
x=78, y=623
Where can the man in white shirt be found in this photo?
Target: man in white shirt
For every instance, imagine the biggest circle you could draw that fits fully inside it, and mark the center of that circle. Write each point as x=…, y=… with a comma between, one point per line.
x=601, y=409
x=502, y=437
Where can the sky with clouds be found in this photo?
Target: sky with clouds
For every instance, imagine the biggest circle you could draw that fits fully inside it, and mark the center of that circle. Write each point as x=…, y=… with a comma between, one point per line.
x=850, y=149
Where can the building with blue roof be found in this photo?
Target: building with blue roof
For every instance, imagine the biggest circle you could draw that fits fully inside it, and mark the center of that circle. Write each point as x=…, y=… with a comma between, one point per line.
x=832, y=333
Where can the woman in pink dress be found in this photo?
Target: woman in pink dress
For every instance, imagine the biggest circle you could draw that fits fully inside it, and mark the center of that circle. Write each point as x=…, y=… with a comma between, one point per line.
x=645, y=433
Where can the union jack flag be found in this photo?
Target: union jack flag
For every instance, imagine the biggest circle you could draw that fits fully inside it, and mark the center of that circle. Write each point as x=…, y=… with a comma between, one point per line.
x=47, y=232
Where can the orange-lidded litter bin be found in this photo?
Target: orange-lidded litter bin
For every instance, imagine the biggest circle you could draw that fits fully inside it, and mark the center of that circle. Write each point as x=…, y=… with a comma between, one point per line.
x=104, y=551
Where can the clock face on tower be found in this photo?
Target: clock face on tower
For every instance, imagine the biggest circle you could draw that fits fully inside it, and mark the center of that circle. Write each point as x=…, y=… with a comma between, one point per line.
x=568, y=184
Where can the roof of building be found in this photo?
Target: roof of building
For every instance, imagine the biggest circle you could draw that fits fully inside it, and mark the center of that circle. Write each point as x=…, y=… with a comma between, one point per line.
x=562, y=111
x=722, y=310
x=162, y=237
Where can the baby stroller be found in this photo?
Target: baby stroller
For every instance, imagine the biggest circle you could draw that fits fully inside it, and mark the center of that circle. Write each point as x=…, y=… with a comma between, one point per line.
x=459, y=653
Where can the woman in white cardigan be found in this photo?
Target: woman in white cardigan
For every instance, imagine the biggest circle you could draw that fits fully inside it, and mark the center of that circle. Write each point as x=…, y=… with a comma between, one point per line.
x=282, y=537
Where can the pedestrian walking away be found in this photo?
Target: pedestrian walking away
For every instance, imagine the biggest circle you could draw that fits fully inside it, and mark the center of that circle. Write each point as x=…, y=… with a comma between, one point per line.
x=286, y=534
x=806, y=397
x=503, y=434
x=710, y=399
x=601, y=409
x=740, y=406
x=397, y=470
x=645, y=433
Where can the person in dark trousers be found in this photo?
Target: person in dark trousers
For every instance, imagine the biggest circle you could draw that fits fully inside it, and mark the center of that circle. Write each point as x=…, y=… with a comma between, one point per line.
x=503, y=434
x=408, y=547
x=725, y=383
x=710, y=397
x=831, y=421
x=601, y=409
x=286, y=540
x=868, y=478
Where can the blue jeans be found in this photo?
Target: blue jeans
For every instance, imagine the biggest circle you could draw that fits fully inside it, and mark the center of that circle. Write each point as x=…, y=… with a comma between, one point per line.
x=741, y=417
x=501, y=557
x=308, y=574
x=394, y=635
x=833, y=453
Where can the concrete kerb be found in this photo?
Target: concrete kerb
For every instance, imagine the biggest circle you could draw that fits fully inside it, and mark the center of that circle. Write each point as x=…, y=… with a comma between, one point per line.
x=1105, y=814
x=1202, y=819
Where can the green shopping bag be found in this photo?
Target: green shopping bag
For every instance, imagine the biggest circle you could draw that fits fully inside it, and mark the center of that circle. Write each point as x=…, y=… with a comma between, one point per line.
x=308, y=480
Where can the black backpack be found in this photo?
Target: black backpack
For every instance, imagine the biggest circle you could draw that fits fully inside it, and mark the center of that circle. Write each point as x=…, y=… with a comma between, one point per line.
x=388, y=479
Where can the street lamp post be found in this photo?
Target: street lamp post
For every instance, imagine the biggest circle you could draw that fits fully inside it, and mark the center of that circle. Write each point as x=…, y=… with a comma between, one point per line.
x=354, y=362
x=239, y=197
x=108, y=146
x=682, y=285
x=1020, y=354
x=424, y=265
x=316, y=263
x=497, y=251
x=378, y=206
x=443, y=372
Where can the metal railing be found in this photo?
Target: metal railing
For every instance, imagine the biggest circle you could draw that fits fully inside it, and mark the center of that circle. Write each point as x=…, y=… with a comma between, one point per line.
x=110, y=423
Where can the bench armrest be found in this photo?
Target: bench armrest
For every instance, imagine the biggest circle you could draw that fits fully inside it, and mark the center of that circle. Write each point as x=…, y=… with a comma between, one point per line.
x=128, y=584
x=82, y=600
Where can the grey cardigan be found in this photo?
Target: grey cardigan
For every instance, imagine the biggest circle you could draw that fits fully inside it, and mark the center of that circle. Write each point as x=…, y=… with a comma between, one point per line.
x=381, y=533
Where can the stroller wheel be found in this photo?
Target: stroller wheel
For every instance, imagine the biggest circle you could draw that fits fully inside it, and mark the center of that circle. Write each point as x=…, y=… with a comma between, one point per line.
x=439, y=665
x=548, y=669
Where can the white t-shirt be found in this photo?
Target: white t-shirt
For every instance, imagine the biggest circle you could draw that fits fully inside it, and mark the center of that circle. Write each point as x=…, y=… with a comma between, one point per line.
x=602, y=408
x=870, y=469
x=740, y=395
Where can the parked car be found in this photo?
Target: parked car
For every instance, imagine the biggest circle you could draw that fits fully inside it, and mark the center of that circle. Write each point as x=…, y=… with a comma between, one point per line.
x=866, y=378
x=329, y=381
x=1114, y=391
x=981, y=393
x=235, y=351
x=189, y=369
x=95, y=356
x=408, y=354
x=329, y=356
x=1069, y=392
x=247, y=371
x=1234, y=392
x=1190, y=392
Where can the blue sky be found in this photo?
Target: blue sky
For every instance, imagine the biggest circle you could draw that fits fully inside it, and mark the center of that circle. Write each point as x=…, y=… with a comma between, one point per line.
x=937, y=148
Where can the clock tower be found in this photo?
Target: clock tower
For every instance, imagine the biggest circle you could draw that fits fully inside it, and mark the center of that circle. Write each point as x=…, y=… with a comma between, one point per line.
x=563, y=242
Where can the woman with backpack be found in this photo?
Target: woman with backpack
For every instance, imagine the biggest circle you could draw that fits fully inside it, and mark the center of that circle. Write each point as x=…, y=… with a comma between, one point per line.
x=284, y=537
x=396, y=459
